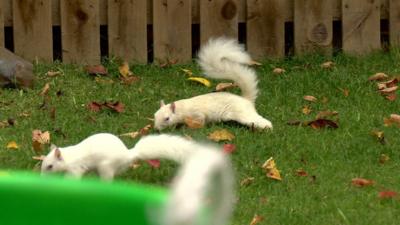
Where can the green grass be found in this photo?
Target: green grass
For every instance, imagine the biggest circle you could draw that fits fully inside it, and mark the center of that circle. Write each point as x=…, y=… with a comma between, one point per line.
x=334, y=157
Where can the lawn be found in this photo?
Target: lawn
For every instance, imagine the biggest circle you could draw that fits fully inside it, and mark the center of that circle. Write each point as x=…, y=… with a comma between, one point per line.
x=331, y=158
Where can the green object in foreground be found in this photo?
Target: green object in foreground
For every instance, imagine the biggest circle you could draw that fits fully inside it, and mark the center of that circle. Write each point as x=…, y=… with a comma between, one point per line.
x=27, y=198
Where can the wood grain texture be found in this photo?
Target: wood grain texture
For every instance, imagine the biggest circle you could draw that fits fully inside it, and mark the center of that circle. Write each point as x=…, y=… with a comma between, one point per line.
x=361, y=26
x=313, y=26
x=394, y=23
x=1, y=24
x=127, y=30
x=33, y=38
x=172, y=31
x=265, y=28
x=218, y=18
x=80, y=31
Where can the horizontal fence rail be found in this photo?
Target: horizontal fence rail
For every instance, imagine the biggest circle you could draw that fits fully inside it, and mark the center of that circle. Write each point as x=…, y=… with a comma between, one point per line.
x=166, y=31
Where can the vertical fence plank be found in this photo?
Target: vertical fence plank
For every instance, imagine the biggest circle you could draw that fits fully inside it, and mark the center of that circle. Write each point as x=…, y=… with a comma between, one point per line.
x=361, y=26
x=394, y=23
x=80, y=31
x=218, y=18
x=127, y=29
x=33, y=38
x=265, y=28
x=313, y=26
x=1, y=24
x=172, y=31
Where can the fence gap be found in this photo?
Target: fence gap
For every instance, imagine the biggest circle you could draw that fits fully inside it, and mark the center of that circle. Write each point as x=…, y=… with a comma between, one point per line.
x=337, y=37
x=57, y=49
x=104, y=47
x=385, y=34
x=289, y=38
x=195, y=39
x=9, y=38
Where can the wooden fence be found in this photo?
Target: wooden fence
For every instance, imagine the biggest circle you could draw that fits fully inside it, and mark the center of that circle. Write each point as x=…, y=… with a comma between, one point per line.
x=166, y=29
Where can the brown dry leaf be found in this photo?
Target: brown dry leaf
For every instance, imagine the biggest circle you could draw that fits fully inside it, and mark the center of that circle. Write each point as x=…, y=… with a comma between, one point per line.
x=256, y=219
x=383, y=158
x=141, y=132
x=345, y=91
x=381, y=86
x=388, y=90
x=306, y=110
x=390, y=83
x=322, y=123
x=94, y=106
x=247, y=181
x=325, y=114
x=361, y=182
x=378, y=77
x=194, y=123
x=124, y=70
x=391, y=97
x=229, y=148
x=130, y=80
x=279, y=71
x=53, y=73
x=12, y=145
x=221, y=135
x=45, y=89
x=41, y=137
x=24, y=114
x=301, y=173
x=387, y=194
x=116, y=106
x=328, y=65
x=145, y=130
x=310, y=98
x=271, y=169
x=96, y=70
x=393, y=119
x=224, y=86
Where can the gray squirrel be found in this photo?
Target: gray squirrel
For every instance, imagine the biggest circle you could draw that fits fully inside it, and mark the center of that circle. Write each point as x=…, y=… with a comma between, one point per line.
x=220, y=58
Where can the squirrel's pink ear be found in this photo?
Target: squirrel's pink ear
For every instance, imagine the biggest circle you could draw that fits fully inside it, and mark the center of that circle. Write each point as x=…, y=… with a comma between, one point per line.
x=173, y=107
x=57, y=154
x=162, y=103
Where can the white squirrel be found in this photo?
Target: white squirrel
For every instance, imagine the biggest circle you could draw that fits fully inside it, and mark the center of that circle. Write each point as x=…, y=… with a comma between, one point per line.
x=220, y=58
x=108, y=155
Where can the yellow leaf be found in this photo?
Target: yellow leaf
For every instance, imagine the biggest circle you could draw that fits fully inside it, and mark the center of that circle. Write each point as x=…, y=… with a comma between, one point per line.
x=201, y=80
x=188, y=72
x=271, y=169
x=194, y=123
x=124, y=70
x=383, y=158
x=306, y=110
x=12, y=145
x=256, y=219
x=221, y=135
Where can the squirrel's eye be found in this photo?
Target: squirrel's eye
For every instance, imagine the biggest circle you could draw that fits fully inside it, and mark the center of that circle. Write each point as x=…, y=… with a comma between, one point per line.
x=166, y=119
x=49, y=167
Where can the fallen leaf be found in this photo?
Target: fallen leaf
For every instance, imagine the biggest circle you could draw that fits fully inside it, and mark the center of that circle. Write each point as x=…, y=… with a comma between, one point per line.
x=116, y=106
x=310, y=98
x=378, y=76
x=279, y=71
x=247, y=181
x=53, y=73
x=387, y=194
x=221, y=135
x=301, y=173
x=256, y=219
x=201, y=80
x=327, y=65
x=345, y=92
x=229, y=148
x=124, y=70
x=194, y=123
x=379, y=135
x=390, y=83
x=45, y=89
x=361, y=182
x=383, y=158
x=325, y=114
x=391, y=97
x=134, y=134
x=381, y=86
x=254, y=63
x=322, y=123
x=39, y=139
x=224, y=86
x=393, y=119
x=143, y=131
x=188, y=72
x=96, y=70
x=155, y=163
x=271, y=169
x=130, y=80
x=306, y=110
x=94, y=106
x=135, y=165
x=38, y=157
x=12, y=145
x=388, y=90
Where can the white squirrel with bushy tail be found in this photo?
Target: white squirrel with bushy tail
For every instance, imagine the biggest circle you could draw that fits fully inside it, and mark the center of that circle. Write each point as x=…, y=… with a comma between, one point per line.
x=108, y=155
x=220, y=58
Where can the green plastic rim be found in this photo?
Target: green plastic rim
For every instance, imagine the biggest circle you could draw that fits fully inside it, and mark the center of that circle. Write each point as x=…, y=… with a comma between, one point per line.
x=28, y=198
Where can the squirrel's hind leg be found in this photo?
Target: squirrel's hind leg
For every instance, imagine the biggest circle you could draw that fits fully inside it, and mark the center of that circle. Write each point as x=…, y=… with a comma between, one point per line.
x=255, y=121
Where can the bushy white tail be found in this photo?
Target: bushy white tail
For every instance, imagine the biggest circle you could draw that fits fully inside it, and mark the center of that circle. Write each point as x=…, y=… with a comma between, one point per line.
x=224, y=58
